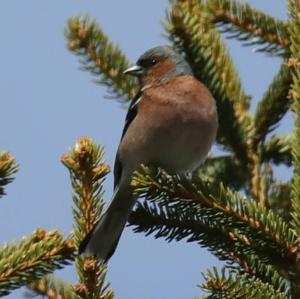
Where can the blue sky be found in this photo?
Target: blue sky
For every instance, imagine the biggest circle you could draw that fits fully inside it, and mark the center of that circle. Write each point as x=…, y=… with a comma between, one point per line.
x=47, y=103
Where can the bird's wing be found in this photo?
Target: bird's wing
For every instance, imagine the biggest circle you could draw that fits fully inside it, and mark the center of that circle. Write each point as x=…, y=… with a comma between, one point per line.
x=130, y=116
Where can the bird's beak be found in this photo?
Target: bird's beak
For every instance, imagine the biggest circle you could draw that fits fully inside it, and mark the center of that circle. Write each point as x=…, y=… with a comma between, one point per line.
x=135, y=70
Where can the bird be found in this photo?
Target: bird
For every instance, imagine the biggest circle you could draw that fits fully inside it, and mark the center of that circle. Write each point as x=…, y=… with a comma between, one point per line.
x=171, y=124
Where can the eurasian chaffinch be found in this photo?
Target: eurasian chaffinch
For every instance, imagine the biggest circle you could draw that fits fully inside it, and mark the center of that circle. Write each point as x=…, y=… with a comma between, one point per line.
x=171, y=123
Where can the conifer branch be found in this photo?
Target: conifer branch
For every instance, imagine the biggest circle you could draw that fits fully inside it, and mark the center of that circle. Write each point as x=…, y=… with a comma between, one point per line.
x=190, y=31
x=270, y=110
x=164, y=222
x=51, y=287
x=278, y=150
x=8, y=167
x=255, y=268
x=251, y=26
x=273, y=105
x=249, y=221
x=100, y=57
x=87, y=173
x=36, y=255
x=226, y=285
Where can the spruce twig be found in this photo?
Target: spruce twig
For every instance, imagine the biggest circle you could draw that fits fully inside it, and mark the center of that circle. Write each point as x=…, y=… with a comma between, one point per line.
x=277, y=150
x=273, y=105
x=274, y=240
x=87, y=173
x=36, y=255
x=100, y=57
x=223, y=242
x=8, y=167
x=226, y=285
x=251, y=26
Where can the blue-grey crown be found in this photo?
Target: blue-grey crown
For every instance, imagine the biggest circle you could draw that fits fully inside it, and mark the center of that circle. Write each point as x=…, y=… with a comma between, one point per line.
x=182, y=66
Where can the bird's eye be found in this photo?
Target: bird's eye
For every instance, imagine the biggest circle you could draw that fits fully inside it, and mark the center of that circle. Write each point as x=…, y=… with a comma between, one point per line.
x=153, y=61
x=149, y=62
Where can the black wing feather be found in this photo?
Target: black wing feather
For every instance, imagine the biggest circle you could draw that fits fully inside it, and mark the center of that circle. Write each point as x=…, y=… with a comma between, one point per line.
x=130, y=116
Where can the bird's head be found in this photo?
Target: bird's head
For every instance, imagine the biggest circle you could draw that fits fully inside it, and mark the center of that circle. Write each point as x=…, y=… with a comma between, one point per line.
x=158, y=64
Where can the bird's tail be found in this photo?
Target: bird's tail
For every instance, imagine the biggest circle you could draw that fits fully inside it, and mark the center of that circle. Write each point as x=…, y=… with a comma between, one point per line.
x=103, y=239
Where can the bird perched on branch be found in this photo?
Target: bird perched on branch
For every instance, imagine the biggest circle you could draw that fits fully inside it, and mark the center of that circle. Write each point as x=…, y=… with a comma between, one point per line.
x=171, y=123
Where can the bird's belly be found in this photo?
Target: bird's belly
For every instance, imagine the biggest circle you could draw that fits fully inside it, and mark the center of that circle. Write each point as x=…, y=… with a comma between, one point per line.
x=180, y=150
x=177, y=147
